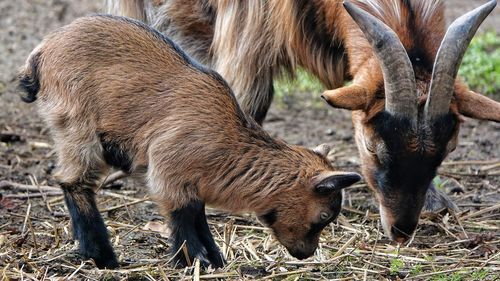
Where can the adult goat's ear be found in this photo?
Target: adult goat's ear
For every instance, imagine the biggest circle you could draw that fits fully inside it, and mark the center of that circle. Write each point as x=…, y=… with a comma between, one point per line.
x=352, y=97
x=477, y=106
x=335, y=181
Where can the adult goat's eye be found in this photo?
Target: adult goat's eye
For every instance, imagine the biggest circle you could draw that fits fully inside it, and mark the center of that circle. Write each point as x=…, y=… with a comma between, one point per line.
x=324, y=216
x=370, y=146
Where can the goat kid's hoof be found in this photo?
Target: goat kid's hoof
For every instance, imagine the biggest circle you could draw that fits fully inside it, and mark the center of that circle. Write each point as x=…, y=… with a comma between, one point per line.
x=217, y=260
x=437, y=201
x=108, y=265
x=180, y=261
x=106, y=261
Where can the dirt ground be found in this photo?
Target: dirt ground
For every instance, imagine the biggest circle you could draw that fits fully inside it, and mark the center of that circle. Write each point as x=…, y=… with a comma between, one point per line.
x=35, y=236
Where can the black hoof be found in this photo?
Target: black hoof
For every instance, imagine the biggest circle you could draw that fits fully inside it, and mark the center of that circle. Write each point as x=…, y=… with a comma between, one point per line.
x=216, y=259
x=180, y=260
x=106, y=263
x=102, y=258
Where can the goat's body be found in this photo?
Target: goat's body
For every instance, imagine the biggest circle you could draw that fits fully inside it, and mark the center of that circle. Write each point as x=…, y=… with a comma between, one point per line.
x=168, y=114
x=250, y=43
x=139, y=104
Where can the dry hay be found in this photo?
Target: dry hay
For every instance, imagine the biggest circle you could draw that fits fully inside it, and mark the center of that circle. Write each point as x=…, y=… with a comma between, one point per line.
x=36, y=244
x=35, y=238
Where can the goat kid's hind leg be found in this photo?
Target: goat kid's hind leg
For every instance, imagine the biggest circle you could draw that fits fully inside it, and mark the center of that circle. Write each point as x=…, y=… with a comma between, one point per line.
x=78, y=171
x=184, y=231
x=214, y=254
x=88, y=226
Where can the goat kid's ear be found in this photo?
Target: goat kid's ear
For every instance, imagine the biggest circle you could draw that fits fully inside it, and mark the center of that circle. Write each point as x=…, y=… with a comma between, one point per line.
x=322, y=149
x=352, y=97
x=477, y=106
x=335, y=181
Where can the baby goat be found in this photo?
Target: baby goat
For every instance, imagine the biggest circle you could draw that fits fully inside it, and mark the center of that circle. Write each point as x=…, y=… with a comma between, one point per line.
x=139, y=104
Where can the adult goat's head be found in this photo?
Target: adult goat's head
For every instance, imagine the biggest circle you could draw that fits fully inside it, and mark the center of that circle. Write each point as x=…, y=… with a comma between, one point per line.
x=405, y=128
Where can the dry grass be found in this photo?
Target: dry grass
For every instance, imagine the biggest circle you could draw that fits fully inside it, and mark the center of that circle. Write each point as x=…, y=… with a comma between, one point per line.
x=35, y=240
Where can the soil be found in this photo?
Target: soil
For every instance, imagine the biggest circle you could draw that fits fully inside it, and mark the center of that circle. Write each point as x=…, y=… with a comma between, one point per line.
x=35, y=238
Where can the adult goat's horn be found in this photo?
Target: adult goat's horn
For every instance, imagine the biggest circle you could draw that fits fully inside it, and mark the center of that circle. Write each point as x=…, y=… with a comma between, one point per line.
x=449, y=57
x=399, y=78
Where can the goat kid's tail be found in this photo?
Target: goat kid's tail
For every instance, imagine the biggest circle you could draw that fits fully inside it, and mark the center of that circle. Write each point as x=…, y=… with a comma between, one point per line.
x=29, y=78
x=136, y=9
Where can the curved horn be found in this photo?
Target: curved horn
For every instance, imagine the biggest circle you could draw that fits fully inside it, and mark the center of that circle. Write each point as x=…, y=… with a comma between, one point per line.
x=399, y=78
x=449, y=57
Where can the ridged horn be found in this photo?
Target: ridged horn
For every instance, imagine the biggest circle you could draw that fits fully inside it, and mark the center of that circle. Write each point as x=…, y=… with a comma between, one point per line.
x=399, y=78
x=449, y=57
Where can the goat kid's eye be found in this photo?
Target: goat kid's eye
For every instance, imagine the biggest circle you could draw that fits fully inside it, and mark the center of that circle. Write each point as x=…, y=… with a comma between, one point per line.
x=324, y=216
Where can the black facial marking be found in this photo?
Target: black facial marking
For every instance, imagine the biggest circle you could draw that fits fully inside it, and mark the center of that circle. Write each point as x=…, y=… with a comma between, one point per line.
x=394, y=130
x=443, y=129
x=316, y=228
x=115, y=156
x=88, y=225
x=412, y=156
x=270, y=218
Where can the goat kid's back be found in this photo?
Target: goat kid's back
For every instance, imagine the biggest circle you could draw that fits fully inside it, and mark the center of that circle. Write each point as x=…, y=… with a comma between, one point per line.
x=116, y=93
x=115, y=80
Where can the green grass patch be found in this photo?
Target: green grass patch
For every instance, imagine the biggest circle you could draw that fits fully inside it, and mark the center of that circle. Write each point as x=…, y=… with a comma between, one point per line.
x=303, y=83
x=481, y=63
x=396, y=266
x=416, y=270
x=439, y=183
x=479, y=274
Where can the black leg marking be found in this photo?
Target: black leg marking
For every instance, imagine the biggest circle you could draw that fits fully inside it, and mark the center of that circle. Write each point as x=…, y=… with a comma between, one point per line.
x=88, y=225
x=214, y=254
x=183, y=227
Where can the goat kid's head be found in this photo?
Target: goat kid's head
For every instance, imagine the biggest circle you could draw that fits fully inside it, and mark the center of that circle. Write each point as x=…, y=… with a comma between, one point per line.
x=298, y=216
x=404, y=131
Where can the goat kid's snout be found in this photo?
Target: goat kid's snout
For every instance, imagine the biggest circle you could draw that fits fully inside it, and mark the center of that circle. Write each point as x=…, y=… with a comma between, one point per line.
x=302, y=250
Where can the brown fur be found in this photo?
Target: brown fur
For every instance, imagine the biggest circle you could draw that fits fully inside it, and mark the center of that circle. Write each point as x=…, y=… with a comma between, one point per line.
x=251, y=42
x=177, y=123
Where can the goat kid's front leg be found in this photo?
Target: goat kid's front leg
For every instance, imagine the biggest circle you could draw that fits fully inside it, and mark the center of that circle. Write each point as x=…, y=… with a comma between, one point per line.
x=184, y=231
x=214, y=254
x=88, y=226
